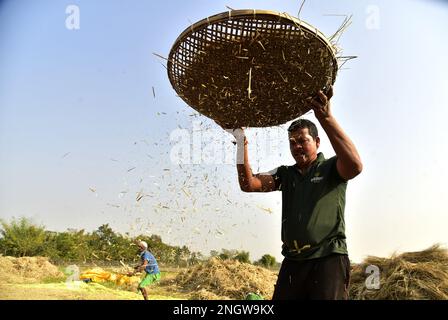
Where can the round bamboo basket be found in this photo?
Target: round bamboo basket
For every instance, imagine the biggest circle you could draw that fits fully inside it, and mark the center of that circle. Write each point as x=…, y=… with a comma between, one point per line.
x=251, y=68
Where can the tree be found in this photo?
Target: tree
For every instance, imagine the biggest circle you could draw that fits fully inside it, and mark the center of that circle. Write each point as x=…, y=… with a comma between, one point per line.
x=214, y=254
x=227, y=254
x=242, y=256
x=182, y=256
x=195, y=258
x=61, y=246
x=22, y=238
x=267, y=261
x=105, y=234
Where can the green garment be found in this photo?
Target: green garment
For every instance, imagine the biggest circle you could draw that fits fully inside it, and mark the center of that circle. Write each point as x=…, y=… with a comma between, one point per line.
x=313, y=206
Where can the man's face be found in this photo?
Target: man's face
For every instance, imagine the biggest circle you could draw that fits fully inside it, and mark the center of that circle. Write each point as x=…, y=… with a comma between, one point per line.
x=303, y=147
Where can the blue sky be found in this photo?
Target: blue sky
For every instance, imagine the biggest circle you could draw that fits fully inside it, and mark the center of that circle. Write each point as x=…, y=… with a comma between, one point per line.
x=81, y=133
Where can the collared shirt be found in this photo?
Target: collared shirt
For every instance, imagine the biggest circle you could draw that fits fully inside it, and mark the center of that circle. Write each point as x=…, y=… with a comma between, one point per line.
x=152, y=266
x=313, y=204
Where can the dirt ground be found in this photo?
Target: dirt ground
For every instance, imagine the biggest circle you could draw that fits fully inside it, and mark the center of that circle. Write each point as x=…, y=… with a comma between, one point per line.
x=35, y=278
x=63, y=291
x=79, y=290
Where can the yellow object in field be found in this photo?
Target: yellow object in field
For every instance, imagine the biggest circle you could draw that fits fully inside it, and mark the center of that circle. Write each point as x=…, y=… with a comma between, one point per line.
x=100, y=275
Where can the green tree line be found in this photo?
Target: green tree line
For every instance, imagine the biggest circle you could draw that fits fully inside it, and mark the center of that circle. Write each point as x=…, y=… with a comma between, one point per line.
x=20, y=237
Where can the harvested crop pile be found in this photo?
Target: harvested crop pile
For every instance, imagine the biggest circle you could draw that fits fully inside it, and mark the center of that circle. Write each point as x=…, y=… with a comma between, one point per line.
x=418, y=275
x=27, y=269
x=99, y=275
x=226, y=279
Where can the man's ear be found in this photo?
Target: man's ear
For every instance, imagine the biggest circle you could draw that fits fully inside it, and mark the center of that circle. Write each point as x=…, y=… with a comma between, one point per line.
x=317, y=142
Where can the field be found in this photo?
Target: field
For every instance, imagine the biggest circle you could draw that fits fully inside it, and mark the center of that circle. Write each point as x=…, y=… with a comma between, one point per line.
x=35, y=278
x=60, y=289
x=421, y=275
x=49, y=282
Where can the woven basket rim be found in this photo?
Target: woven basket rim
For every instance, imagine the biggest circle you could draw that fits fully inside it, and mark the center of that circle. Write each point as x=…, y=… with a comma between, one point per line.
x=227, y=15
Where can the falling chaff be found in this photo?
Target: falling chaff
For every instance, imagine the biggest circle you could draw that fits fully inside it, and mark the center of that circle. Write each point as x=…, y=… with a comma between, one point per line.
x=268, y=210
x=139, y=196
x=249, y=90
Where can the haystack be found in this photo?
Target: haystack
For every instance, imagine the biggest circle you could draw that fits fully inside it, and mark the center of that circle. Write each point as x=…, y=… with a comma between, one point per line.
x=27, y=269
x=226, y=279
x=419, y=275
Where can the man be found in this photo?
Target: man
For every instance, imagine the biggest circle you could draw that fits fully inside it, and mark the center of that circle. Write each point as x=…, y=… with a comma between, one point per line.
x=149, y=265
x=316, y=263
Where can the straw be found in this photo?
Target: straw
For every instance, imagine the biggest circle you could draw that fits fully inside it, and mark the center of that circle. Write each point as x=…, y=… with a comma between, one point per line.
x=408, y=276
x=226, y=279
x=251, y=68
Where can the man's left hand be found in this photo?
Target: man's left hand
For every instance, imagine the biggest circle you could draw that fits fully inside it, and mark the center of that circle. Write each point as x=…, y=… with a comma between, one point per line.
x=321, y=104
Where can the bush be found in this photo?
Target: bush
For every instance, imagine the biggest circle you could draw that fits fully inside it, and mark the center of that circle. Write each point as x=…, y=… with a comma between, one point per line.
x=267, y=261
x=22, y=238
x=241, y=256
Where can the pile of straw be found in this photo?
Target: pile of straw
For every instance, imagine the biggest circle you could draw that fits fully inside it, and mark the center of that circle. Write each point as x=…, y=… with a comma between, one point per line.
x=226, y=279
x=27, y=269
x=419, y=275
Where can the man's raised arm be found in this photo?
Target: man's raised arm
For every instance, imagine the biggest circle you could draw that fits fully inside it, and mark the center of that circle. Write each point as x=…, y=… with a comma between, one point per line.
x=247, y=180
x=348, y=162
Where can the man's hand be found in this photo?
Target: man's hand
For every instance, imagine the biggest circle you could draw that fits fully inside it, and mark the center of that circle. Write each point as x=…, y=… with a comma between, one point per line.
x=348, y=161
x=238, y=133
x=248, y=182
x=137, y=269
x=321, y=104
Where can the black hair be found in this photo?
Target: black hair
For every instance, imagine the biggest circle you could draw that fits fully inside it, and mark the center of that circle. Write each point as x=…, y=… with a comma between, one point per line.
x=304, y=123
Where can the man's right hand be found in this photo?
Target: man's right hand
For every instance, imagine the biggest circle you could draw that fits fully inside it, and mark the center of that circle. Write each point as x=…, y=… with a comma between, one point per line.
x=248, y=182
x=238, y=133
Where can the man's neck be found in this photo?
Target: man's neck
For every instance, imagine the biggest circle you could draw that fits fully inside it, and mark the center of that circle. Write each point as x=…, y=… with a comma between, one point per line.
x=304, y=168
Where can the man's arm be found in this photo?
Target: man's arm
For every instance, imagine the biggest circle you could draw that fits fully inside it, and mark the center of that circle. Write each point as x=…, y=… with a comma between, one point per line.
x=142, y=267
x=348, y=162
x=247, y=180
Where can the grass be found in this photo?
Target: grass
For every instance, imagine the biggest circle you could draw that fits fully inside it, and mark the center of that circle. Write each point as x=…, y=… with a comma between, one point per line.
x=57, y=288
x=82, y=291
x=66, y=291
